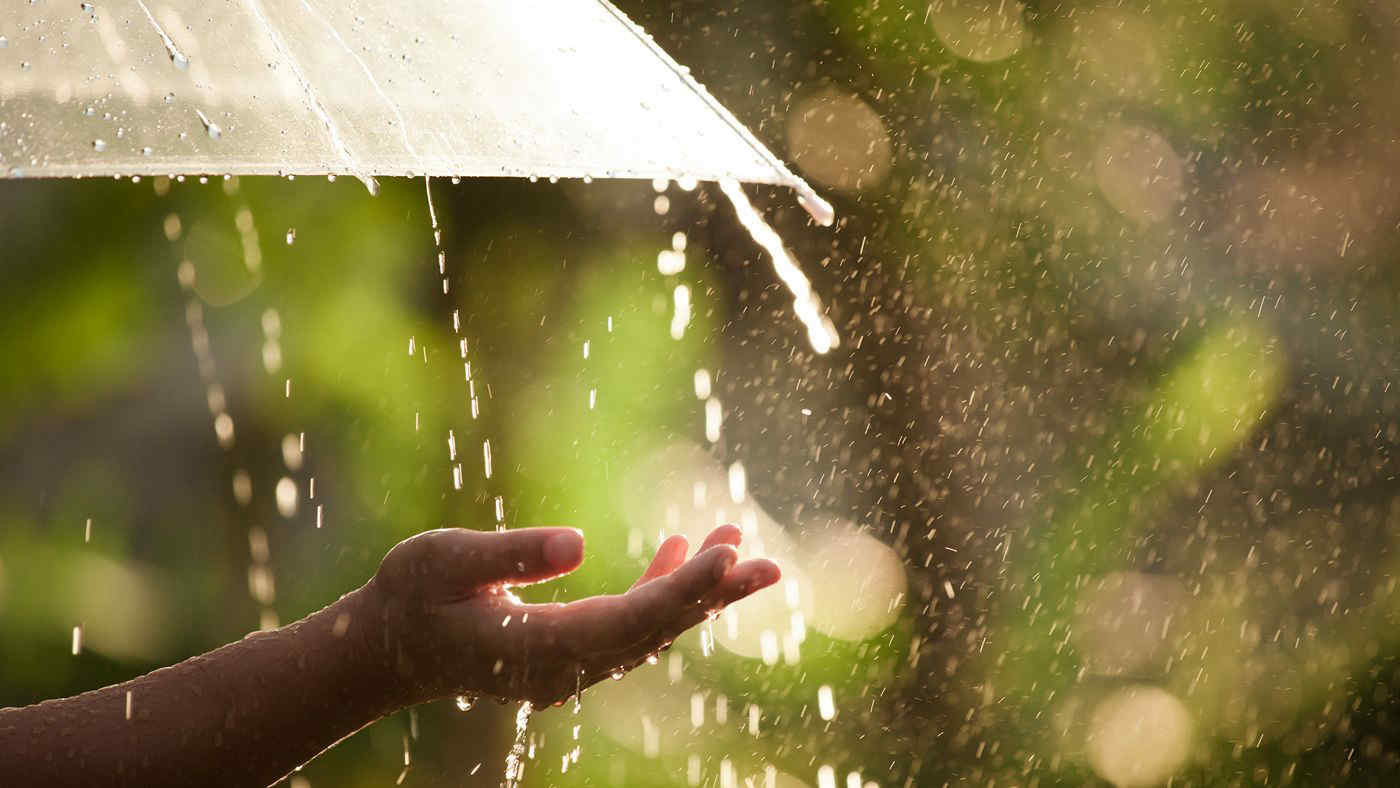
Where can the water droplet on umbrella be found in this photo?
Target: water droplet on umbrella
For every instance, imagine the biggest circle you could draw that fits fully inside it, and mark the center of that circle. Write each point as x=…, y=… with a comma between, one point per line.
x=210, y=126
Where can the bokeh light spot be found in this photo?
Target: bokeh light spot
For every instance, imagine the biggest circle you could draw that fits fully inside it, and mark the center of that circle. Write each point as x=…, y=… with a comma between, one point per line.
x=984, y=31
x=1139, y=736
x=839, y=141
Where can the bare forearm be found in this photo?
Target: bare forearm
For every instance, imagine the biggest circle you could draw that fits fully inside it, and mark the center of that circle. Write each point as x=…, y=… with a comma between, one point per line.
x=243, y=715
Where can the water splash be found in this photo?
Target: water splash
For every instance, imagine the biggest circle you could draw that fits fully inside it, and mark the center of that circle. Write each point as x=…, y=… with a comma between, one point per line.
x=515, y=761
x=820, y=330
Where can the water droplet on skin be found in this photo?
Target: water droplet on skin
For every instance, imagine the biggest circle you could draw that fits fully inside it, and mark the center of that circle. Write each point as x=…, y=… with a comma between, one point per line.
x=99, y=145
x=181, y=62
x=652, y=659
x=466, y=702
x=617, y=675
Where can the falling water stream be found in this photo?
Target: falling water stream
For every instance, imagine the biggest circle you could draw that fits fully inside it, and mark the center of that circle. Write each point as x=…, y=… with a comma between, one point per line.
x=515, y=761
x=821, y=333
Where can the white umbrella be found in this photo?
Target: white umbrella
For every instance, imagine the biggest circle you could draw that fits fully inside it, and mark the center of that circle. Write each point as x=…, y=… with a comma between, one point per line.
x=543, y=88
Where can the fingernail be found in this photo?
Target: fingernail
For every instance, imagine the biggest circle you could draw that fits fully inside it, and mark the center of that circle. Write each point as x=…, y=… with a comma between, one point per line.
x=564, y=549
x=725, y=563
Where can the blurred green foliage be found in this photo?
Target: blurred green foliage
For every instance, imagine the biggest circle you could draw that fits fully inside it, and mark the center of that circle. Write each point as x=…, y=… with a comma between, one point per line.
x=1118, y=310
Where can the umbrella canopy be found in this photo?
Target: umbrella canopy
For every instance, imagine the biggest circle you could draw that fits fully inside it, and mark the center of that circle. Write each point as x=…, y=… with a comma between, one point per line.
x=540, y=88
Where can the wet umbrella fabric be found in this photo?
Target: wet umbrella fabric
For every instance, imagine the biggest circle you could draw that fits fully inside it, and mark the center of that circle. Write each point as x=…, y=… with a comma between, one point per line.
x=544, y=88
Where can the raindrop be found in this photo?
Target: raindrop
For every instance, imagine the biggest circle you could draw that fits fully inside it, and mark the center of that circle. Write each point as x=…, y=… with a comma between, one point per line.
x=466, y=702
x=4, y=42
x=88, y=7
x=176, y=56
x=146, y=151
x=826, y=703
x=286, y=497
x=291, y=235
x=669, y=261
x=99, y=145
x=25, y=66
x=209, y=126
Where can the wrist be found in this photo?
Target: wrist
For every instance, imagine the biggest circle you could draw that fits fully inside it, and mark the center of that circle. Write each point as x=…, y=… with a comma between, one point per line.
x=358, y=625
x=391, y=640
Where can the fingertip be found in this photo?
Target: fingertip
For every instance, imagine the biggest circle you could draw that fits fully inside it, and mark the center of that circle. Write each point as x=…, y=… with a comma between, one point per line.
x=564, y=549
x=750, y=577
x=769, y=571
x=729, y=534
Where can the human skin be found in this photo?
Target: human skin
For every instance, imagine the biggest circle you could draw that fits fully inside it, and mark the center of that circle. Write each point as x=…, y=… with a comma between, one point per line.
x=436, y=620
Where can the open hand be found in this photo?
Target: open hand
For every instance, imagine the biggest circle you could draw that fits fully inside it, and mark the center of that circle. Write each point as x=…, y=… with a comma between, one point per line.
x=451, y=625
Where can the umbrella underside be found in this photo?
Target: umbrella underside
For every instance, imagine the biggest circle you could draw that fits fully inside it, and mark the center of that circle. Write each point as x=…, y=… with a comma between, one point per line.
x=543, y=88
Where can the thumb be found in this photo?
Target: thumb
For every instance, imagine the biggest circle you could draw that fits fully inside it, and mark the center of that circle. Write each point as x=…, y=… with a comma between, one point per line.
x=452, y=563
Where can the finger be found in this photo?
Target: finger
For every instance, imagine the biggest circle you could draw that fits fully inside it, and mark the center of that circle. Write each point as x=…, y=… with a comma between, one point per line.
x=454, y=562
x=743, y=579
x=747, y=577
x=605, y=632
x=599, y=636
x=725, y=534
x=669, y=555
